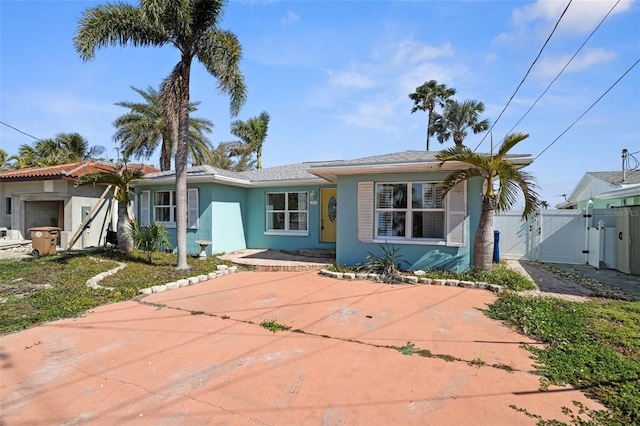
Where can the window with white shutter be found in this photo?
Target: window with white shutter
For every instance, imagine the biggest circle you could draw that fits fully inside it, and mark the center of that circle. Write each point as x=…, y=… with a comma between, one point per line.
x=365, y=212
x=411, y=212
x=145, y=216
x=193, y=211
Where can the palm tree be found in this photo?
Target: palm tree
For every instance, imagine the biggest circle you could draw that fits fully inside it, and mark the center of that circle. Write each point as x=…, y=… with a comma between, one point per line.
x=4, y=160
x=142, y=129
x=253, y=132
x=456, y=118
x=63, y=149
x=494, y=169
x=234, y=156
x=544, y=204
x=120, y=179
x=427, y=96
x=192, y=27
x=76, y=148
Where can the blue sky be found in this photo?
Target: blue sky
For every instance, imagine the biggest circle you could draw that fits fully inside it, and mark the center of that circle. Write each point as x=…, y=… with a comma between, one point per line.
x=335, y=77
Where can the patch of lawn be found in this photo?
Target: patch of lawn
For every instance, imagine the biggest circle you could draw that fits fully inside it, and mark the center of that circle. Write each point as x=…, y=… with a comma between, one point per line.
x=22, y=306
x=594, y=346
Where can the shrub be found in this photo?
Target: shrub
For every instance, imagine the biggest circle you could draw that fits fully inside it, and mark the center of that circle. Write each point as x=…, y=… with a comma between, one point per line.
x=150, y=238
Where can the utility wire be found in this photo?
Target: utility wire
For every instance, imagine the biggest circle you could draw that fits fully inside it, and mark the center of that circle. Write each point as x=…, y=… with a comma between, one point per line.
x=18, y=130
x=564, y=68
x=527, y=74
x=588, y=109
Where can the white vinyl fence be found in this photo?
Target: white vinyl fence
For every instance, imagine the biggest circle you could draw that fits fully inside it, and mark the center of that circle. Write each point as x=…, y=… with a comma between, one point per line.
x=559, y=236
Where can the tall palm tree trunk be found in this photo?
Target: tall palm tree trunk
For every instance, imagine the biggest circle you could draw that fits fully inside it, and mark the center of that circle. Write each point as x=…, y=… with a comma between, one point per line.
x=483, y=243
x=182, y=153
x=428, y=128
x=165, y=154
x=125, y=241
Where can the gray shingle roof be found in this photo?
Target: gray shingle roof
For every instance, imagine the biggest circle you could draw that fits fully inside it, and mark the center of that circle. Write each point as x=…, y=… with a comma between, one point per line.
x=633, y=177
x=280, y=173
x=393, y=158
x=197, y=171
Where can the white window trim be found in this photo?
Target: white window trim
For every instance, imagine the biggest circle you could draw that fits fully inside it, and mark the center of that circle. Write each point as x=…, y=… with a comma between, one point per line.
x=286, y=231
x=409, y=217
x=192, y=193
x=455, y=219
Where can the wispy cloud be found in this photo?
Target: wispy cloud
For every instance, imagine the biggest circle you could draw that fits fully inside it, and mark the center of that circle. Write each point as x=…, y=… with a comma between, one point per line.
x=581, y=17
x=373, y=93
x=550, y=66
x=290, y=18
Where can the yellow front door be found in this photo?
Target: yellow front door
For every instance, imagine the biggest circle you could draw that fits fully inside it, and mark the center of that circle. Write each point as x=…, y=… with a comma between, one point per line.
x=328, y=215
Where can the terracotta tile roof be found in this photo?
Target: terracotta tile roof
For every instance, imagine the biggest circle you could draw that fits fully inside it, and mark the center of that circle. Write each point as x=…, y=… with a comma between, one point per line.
x=67, y=171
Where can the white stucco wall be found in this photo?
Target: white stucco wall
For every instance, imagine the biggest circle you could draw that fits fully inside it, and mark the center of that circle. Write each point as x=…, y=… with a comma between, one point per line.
x=24, y=194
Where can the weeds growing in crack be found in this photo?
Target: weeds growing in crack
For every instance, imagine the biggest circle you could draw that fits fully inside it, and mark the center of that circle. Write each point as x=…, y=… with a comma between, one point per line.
x=274, y=326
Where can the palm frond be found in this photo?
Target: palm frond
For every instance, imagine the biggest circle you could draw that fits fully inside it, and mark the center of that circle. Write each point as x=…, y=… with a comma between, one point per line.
x=115, y=25
x=220, y=52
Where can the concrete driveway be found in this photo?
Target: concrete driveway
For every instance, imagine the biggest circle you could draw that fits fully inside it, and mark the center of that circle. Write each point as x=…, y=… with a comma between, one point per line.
x=197, y=355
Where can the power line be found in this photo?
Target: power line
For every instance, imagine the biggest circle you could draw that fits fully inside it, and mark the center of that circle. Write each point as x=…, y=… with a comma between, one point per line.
x=18, y=130
x=564, y=68
x=588, y=109
x=527, y=74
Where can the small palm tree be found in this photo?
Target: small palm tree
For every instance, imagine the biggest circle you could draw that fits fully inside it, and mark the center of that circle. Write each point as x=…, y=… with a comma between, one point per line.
x=427, y=96
x=192, y=27
x=120, y=179
x=150, y=238
x=456, y=119
x=144, y=127
x=253, y=133
x=494, y=169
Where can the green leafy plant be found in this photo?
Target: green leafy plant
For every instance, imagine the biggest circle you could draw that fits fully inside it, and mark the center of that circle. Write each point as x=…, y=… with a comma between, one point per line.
x=408, y=349
x=150, y=238
x=386, y=265
x=274, y=326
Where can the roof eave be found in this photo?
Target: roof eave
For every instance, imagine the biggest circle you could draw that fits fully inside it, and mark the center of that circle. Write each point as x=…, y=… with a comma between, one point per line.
x=171, y=179
x=624, y=192
x=331, y=173
x=290, y=182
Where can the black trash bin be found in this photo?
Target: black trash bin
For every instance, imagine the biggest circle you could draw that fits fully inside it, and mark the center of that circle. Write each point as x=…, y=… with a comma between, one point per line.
x=496, y=246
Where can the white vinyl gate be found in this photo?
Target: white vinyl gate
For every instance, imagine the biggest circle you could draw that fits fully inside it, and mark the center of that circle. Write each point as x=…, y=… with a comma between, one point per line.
x=558, y=236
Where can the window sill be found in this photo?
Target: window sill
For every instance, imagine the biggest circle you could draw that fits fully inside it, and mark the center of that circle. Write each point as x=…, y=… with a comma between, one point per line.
x=411, y=242
x=288, y=233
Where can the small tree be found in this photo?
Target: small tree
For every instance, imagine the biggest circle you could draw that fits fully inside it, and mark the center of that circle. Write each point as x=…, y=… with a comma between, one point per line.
x=120, y=179
x=150, y=238
x=493, y=169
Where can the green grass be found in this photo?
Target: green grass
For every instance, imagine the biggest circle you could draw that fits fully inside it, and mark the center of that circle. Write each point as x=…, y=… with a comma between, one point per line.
x=67, y=274
x=594, y=346
x=274, y=326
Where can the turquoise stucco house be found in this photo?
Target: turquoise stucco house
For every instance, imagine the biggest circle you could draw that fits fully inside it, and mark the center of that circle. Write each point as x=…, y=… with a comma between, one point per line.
x=350, y=206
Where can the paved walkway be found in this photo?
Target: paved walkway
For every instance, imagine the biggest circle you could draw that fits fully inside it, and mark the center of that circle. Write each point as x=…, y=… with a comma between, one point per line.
x=198, y=355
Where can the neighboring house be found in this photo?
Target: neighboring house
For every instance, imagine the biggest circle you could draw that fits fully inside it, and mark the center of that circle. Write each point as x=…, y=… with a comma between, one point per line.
x=353, y=207
x=46, y=196
x=605, y=190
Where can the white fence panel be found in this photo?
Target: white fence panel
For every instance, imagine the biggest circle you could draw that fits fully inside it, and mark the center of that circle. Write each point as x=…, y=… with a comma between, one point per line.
x=516, y=237
x=562, y=236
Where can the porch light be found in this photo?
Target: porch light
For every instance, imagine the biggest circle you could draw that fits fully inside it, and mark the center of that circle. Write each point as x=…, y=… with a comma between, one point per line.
x=313, y=195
